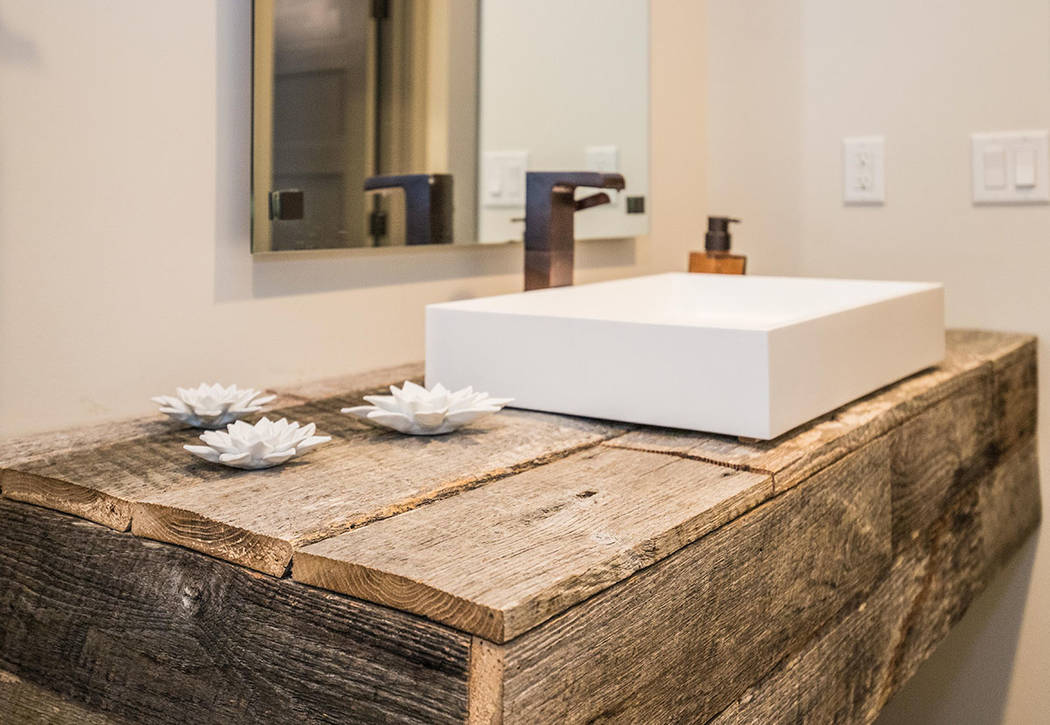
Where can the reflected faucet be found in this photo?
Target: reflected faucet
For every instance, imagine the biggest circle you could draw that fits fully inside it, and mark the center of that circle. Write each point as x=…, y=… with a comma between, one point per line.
x=428, y=205
x=550, y=206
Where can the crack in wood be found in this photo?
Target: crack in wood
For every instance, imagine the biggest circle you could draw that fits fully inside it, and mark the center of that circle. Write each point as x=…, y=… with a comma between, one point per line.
x=453, y=489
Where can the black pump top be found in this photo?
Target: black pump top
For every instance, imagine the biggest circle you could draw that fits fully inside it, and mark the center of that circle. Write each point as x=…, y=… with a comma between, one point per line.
x=717, y=238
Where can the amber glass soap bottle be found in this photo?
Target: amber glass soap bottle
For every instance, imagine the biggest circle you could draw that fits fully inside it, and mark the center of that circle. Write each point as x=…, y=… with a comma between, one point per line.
x=716, y=257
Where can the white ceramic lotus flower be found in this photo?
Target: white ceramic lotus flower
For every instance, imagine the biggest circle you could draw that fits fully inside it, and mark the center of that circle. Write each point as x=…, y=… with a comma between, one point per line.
x=265, y=444
x=417, y=411
x=212, y=406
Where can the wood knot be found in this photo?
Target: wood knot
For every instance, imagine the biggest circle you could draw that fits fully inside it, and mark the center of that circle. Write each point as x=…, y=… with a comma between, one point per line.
x=586, y=494
x=190, y=594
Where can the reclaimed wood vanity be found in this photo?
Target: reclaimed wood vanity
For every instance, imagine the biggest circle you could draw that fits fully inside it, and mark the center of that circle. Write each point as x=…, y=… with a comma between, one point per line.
x=530, y=569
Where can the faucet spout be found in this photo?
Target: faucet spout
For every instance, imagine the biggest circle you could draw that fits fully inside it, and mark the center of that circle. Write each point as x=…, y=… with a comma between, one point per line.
x=428, y=205
x=550, y=205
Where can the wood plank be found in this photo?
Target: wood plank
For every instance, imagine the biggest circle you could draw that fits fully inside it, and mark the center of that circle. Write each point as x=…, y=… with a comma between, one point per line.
x=499, y=560
x=328, y=387
x=110, y=505
x=364, y=475
x=678, y=641
x=852, y=667
x=20, y=449
x=485, y=687
x=24, y=702
x=798, y=454
x=1010, y=502
x=54, y=493
x=255, y=518
x=1016, y=395
x=839, y=677
x=939, y=452
x=156, y=633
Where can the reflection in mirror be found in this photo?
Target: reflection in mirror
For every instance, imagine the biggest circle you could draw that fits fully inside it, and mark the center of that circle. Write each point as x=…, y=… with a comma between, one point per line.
x=381, y=123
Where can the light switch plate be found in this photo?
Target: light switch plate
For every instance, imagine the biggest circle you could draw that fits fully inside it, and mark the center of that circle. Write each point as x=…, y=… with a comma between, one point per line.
x=607, y=159
x=503, y=178
x=1010, y=167
x=863, y=170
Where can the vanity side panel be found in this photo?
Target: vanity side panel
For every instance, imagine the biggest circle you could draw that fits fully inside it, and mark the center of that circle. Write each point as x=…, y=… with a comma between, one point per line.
x=679, y=641
x=853, y=666
x=155, y=633
x=1015, y=377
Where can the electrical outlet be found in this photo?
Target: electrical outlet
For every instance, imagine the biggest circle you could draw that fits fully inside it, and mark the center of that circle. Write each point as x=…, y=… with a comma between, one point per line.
x=863, y=170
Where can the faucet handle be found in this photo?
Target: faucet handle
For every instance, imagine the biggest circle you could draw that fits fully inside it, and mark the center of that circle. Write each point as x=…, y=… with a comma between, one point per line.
x=593, y=200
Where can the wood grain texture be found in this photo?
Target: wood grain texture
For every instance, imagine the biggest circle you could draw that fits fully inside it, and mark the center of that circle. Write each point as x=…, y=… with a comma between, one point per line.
x=22, y=703
x=154, y=633
x=364, y=475
x=856, y=662
x=498, y=560
x=802, y=579
x=942, y=450
x=54, y=493
x=799, y=453
x=839, y=677
x=678, y=641
x=20, y=449
x=25, y=448
x=1016, y=398
x=485, y=686
x=32, y=468
x=255, y=518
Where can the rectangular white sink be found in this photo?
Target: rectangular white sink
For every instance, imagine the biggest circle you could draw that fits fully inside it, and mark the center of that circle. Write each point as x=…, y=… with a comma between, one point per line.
x=741, y=355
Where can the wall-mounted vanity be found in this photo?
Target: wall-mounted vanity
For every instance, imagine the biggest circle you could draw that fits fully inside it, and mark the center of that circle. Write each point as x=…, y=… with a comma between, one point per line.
x=450, y=102
x=532, y=568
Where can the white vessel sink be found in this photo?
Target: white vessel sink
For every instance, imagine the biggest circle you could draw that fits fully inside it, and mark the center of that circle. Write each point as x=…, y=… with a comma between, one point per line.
x=741, y=355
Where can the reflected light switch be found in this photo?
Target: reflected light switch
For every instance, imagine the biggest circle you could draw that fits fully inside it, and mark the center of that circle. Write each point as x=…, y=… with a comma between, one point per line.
x=607, y=159
x=503, y=178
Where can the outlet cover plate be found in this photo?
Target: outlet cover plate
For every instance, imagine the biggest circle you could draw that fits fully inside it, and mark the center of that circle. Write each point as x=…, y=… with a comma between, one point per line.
x=863, y=170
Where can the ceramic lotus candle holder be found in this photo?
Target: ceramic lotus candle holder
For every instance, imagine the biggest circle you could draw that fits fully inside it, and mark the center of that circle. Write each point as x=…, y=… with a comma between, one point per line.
x=212, y=406
x=414, y=410
x=263, y=445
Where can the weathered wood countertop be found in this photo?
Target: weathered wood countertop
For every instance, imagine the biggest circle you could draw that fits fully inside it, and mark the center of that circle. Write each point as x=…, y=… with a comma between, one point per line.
x=532, y=568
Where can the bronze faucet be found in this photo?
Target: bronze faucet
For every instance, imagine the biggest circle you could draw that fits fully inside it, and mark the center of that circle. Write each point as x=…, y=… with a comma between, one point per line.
x=428, y=205
x=550, y=205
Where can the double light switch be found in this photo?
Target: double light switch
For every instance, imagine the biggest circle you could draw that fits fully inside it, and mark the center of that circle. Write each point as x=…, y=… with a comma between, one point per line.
x=1010, y=168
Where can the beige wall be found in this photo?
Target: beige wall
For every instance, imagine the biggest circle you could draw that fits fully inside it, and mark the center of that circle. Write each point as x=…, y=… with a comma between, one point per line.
x=787, y=80
x=124, y=268
x=124, y=264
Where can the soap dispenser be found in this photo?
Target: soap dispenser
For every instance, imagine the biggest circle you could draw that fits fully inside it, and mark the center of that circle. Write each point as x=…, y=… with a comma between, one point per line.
x=716, y=257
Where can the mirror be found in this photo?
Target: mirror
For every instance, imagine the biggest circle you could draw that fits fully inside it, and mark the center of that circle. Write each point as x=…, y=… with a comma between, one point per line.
x=390, y=123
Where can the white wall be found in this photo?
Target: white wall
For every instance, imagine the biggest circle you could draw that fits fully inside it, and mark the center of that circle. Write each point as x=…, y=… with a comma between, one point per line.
x=557, y=77
x=124, y=264
x=787, y=79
